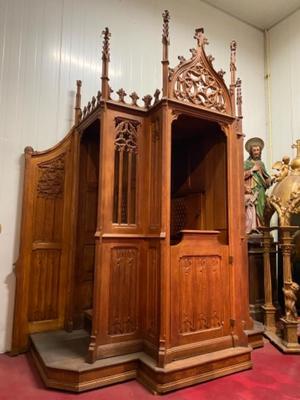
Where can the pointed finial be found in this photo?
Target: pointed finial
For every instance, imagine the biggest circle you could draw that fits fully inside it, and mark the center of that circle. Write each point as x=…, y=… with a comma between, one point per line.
x=199, y=36
x=233, y=61
x=239, y=97
x=105, y=62
x=165, y=52
x=165, y=35
x=78, y=102
x=105, y=50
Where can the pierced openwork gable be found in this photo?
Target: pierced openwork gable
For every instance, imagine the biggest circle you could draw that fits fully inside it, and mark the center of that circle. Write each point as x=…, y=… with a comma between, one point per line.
x=195, y=81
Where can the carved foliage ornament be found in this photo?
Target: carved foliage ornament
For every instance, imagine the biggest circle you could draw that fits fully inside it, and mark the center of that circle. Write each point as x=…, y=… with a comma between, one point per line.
x=51, y=178
x=126, y=135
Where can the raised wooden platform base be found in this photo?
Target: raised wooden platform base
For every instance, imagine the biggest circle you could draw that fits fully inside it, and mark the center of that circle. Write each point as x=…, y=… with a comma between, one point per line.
x=256, y=335
x=279, y=342
x=60, y=358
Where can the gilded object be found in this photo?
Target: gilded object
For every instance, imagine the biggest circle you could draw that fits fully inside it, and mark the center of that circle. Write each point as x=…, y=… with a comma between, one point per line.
x=285, y=195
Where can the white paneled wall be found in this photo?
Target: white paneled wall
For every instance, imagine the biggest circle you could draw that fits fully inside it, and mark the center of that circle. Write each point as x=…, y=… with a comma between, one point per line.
x=284, y=60
x=45, y=45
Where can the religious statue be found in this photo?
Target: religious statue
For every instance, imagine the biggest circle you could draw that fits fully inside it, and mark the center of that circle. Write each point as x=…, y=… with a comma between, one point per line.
x=290, y=289
x=257, y=180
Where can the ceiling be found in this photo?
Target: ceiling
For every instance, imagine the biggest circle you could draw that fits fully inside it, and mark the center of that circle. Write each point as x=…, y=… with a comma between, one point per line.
x=262, y=14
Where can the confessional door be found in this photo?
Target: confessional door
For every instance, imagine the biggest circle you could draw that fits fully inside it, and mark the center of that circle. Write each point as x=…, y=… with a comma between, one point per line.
x=43, y=268
x=86, y=226
x=199, y=233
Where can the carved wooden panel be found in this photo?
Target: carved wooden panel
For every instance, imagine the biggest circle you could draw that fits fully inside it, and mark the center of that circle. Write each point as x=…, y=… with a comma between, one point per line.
x=123, y=291
x=44, y=285
x=200, y=303
x=49, y=201
x=51, y=178
x=151, y=315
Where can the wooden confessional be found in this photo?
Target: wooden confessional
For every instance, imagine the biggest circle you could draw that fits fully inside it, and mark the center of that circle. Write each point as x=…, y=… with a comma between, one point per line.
x=133, y=256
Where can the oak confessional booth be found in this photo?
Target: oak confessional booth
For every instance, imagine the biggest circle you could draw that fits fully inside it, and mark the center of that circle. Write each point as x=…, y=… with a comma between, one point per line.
x=133, y=258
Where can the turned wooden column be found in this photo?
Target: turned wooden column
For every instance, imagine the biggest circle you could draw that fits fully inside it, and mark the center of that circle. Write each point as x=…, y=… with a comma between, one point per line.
x=287, y=246
x=268, y=307
x=290, y=289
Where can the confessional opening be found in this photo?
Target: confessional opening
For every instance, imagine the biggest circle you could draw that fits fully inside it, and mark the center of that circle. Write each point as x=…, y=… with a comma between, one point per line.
x=198, y=177
x=86, y=223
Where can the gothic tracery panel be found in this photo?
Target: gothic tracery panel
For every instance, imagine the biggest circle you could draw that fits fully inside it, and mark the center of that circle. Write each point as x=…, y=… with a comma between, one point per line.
x=197, y=85
x=125, y=171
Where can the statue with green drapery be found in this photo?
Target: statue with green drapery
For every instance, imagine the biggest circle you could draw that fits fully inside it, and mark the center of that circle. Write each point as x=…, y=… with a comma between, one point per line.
x=257, y=181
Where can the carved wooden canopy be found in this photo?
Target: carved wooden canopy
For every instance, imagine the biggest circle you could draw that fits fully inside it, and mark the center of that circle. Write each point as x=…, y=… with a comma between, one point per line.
x=195, y=81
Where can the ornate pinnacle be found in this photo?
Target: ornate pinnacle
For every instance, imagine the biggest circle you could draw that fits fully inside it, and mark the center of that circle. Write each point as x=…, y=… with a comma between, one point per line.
x=239, y=90
x=232, y=55
x=78, y=102
x=199, y=36
x=233, y=46
x=165, y=35
x=105, y=50
x=239, y=97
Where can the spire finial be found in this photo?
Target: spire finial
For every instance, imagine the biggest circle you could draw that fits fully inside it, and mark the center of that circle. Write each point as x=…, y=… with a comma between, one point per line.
x=105, y=49
x=239, y=99
x=165, y=35
x=105, y=61
x=233, y=61
x=199, y=36
x=165, y=55
x=78, y=112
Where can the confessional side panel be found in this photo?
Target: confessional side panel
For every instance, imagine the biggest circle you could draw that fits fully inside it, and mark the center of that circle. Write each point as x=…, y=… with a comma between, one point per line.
x=119, y=328
x=45, y=249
